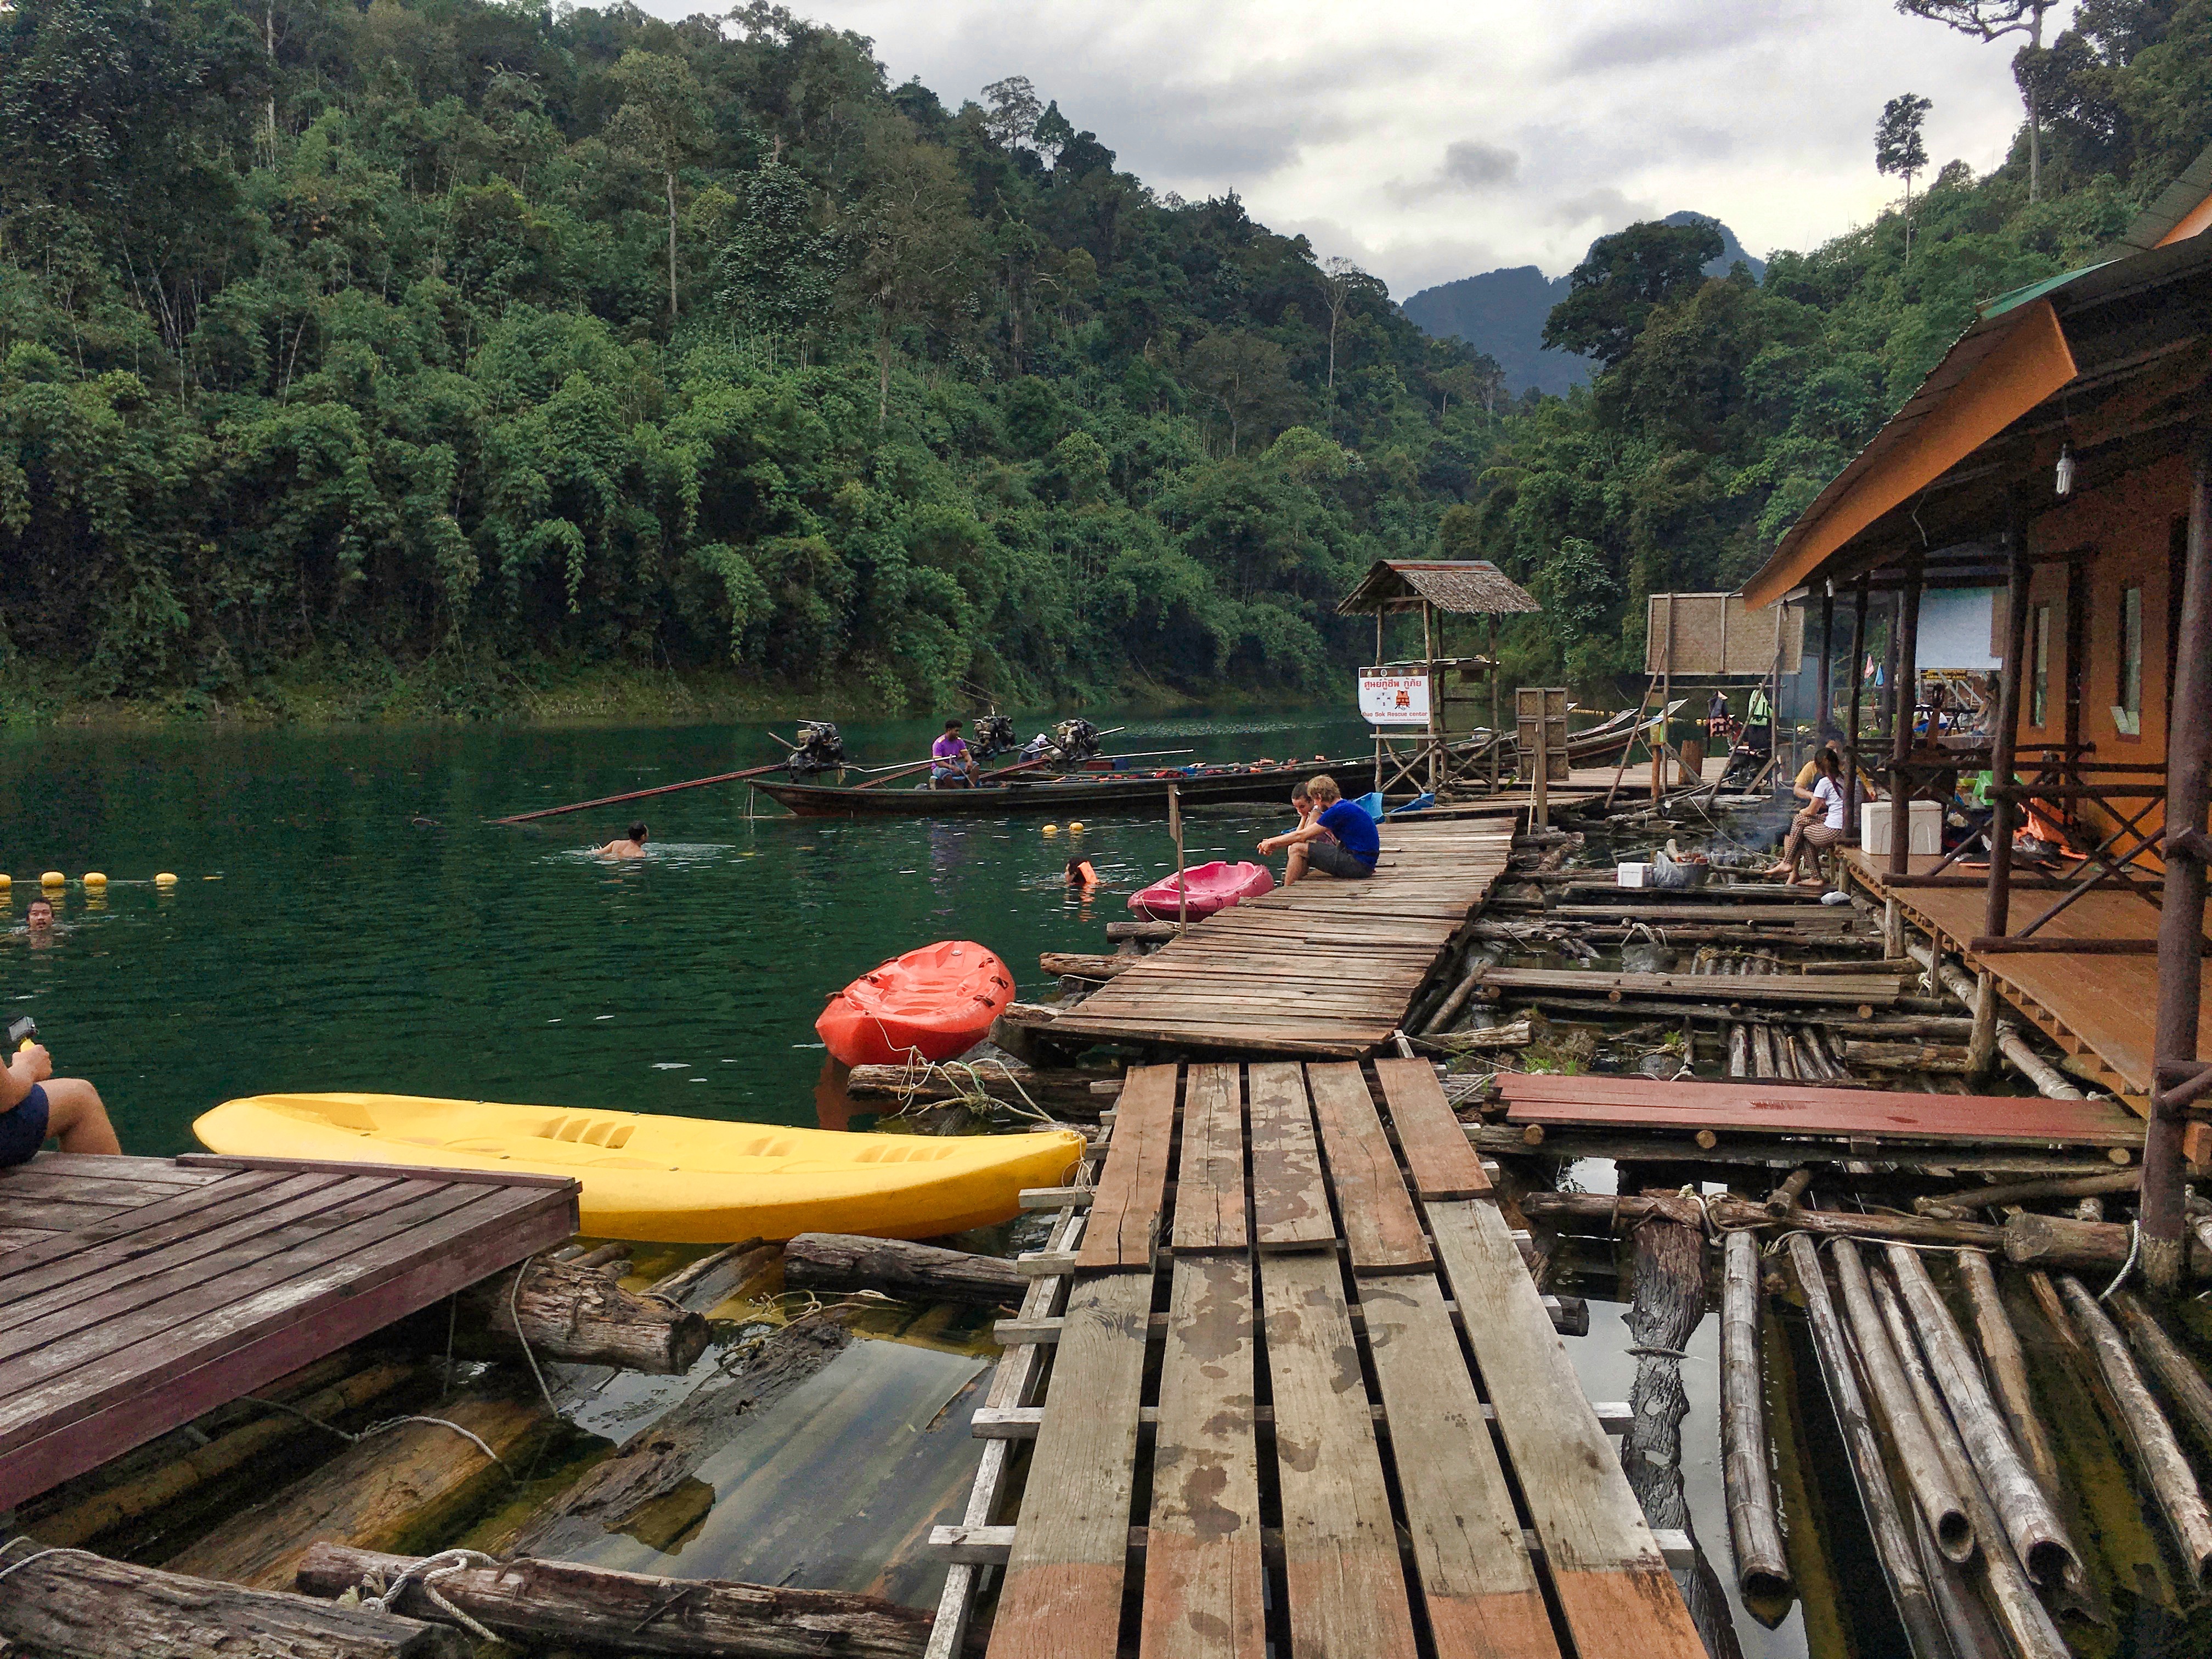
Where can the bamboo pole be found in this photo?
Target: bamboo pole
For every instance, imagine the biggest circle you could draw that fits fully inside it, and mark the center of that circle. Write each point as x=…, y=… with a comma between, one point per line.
x=2027, y=1623
x=2177, y=1374
x=1925, y=1473
x=1762, y=1563
x=1886, y=1524
x=2037, y=1534
x=2158, y=1453
x=2008, y=1366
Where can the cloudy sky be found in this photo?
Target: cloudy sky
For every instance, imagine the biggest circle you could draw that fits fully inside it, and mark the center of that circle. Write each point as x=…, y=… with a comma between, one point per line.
x=1430, y=140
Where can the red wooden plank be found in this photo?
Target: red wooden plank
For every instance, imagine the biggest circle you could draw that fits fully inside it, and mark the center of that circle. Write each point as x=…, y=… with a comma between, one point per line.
x=1782, y=1108
x=1442, y=1163
x=58, y=1382
x=368, y=1305
x=1124, y=1222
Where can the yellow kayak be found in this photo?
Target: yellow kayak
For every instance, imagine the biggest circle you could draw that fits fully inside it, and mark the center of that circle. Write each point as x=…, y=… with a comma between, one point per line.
x=672, y=1180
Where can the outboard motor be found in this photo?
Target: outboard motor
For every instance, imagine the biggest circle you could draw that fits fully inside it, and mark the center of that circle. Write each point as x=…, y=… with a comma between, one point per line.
x=995, y=735
x=821, y=749
x=1077, y=741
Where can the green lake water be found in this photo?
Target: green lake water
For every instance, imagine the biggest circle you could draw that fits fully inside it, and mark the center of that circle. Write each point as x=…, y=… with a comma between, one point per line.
x=345, y=919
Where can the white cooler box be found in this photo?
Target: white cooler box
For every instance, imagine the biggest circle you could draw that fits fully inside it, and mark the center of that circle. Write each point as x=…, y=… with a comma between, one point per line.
x=1927, y=835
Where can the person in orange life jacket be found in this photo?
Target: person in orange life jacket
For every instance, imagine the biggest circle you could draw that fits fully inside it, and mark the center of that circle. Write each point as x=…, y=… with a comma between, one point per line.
x=1080, y=876
x=1338, y=840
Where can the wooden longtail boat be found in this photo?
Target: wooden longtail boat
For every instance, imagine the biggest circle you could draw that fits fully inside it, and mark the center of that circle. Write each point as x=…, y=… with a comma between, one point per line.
x=1080, y=792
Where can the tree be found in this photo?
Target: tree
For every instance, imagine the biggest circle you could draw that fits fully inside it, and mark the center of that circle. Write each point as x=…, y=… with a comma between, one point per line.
x=1991, y=21
x=775, y=265
x=910, y=242
x=1339, y=278
x=1897, y=148
x=1624, y=277
x=1014, y=110
x=1245, y=376
x=664, y=117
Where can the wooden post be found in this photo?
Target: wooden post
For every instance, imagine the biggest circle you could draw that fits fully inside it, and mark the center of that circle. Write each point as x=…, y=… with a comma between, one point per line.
x=1754, y=1520
x=1666, y=689
x=1497, y=675
x=1827, y=716
x=1982, y=1045
x=1851, y=732
x=1906, y=651
x=1435, y=696
x=1182, y=883
x=2181, y=917
x=2004, y=742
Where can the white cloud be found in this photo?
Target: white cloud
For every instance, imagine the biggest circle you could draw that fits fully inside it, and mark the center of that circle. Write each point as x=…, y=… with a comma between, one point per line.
x=1415, y=137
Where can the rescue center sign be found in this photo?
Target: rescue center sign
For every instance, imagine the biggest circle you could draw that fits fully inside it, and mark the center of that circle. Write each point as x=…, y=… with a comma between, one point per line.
x=1394, y=699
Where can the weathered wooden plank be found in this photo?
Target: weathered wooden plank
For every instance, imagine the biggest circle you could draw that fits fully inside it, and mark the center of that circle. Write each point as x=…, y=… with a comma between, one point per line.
x=162, y=1171
x=1346, y=1590
x=1441, y=1162
x=1290, y=1203
x=1062, y=1595
x=1379, y=1228
x=1611, y=1580
x=1203, y=1596
x=144, y=1228
x=1819, y=988
x=1125, y=1215
x=37, y=1181
x=56, y=1214
x=1209, y=1212
x=1475, y=1575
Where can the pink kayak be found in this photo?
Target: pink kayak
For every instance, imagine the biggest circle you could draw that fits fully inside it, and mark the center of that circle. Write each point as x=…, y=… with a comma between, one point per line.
x=1214, y=887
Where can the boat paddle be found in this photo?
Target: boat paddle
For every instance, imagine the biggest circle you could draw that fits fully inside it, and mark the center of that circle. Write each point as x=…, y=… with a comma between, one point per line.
x=640, y=794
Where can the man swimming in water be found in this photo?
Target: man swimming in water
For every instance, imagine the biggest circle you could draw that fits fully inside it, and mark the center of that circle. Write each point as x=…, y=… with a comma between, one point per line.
x=631, y=846
x=40, y=918
x=36, y=1106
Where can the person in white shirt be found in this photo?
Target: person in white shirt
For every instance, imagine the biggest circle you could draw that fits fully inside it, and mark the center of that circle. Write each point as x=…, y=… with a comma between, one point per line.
x=1819, y=824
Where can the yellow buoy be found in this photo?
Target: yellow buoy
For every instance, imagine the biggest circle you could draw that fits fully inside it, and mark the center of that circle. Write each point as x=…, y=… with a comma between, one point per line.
x=167, y=879
x=1051, y=829
x=51, y=878
x=6, y=882
x=1075, y=829
x=94, y=878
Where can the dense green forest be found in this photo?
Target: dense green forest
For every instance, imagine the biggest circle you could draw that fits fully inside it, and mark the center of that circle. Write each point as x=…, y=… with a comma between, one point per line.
x=442, y=348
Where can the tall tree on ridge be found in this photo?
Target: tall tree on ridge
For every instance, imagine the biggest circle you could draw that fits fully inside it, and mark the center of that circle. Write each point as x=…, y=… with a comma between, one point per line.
x=1898, y=149
x=1991, y=21
x=663, y=118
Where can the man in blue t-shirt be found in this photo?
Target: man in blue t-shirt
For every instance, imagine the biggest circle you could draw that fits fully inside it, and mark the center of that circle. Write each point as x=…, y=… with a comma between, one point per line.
x=1338, y=840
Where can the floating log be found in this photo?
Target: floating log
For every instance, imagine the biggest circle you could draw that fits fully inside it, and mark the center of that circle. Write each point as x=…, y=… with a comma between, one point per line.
x=1156, y=932
x=1886, y=1522
x=1533, y=934
x=1907, y=1056
x=565, y=1311
x=1784, y=1198
x=2158, y=1453
x=1457, y=999
x=2033, y=1634
x=1865, y=992
x=1023, y=1030
x=1904, y=1028
x=1762, y=1561
x=567, y=1604
x=418, y=1479
x=170, y=1479
x=2028, y=1191
x=2008, y=1366
x=714, y=1278
x=2037, y=1534
x=1731, y=1212
x=1925, y=1473
x=1063, y=1089
x=2184, y=1384
x=913, y=1272
x=2060, y=1242
x=76, y=1606
x=650, y=1486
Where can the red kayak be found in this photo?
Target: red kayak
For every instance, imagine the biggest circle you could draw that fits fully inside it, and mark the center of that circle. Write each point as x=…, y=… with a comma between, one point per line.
x=938, y=1002
x=1214, y=887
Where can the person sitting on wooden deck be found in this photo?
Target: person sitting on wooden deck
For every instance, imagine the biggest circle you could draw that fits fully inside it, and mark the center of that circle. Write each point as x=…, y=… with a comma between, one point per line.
x=36, y=1106
x=1339, y=840
x=628, y=845
x=1809, y=774
x=1827, y=806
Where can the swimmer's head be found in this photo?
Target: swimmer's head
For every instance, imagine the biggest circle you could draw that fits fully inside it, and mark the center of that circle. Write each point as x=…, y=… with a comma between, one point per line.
x=637, y=832
x=40, y=914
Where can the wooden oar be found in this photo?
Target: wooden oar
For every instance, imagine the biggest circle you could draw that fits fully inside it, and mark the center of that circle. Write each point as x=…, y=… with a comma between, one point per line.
x=909, y=771
x=640, y=794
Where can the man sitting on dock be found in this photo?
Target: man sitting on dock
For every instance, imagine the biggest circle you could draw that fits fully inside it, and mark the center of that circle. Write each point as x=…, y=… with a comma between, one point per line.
x=951, y=765
x=36, y=1106
x=631, y=845
x=1339, y=840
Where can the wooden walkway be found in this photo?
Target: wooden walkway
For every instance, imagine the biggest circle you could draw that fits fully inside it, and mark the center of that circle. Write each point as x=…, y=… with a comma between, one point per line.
x=1304, y=1398
x=138, y=1292
x=2100, y=1009
x=1325, y=968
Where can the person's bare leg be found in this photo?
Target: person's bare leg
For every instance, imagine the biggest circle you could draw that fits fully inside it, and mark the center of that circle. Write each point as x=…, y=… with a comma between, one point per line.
x=75, y=1113
x=1296, y=867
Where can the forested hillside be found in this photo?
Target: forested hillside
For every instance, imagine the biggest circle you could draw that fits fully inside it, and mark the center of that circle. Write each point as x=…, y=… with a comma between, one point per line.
x=449, y=347
x=483, y=342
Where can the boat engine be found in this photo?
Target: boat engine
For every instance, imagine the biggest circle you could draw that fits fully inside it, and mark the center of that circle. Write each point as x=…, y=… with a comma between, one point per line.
x=1077, y=741
x=995, y=735
x=821, y=749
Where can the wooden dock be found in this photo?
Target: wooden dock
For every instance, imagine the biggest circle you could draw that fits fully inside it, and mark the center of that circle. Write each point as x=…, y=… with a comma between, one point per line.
x=1325, y=968
x=138, y=1292
x=1304, y=1395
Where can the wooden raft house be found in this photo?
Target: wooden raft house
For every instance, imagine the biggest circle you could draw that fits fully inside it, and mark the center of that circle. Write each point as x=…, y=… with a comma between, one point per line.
x=2062, y=452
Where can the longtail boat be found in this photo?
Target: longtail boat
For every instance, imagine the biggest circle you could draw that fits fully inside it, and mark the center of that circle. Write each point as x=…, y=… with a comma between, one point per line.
x=1081, y=792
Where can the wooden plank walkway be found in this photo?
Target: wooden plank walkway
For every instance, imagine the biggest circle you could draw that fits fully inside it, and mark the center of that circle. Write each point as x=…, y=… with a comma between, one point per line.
x=138, y=1292
x=2101, y=1008
x=1325, y=968
x=1364, y=1439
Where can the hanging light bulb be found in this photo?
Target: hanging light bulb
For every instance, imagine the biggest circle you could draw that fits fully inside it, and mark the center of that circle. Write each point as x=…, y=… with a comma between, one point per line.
x=2061, y=478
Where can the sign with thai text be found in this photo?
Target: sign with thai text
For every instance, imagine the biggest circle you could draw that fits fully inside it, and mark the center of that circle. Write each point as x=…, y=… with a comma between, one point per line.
x=1394, y=699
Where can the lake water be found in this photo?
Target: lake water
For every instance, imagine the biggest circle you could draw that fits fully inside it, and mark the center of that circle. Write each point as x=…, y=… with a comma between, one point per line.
x=345, y=919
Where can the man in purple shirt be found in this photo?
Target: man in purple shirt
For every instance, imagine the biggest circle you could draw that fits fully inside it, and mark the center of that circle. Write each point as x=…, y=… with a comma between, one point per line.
x=952, y=767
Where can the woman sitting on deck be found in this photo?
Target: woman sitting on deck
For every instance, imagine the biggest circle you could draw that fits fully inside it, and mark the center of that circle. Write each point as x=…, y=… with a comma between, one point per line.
x=1827, y=806
x=1339, y=840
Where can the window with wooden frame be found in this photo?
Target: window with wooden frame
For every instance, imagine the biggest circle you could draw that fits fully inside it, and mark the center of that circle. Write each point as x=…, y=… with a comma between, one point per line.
x=2039, y=652
x=2127, y=712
